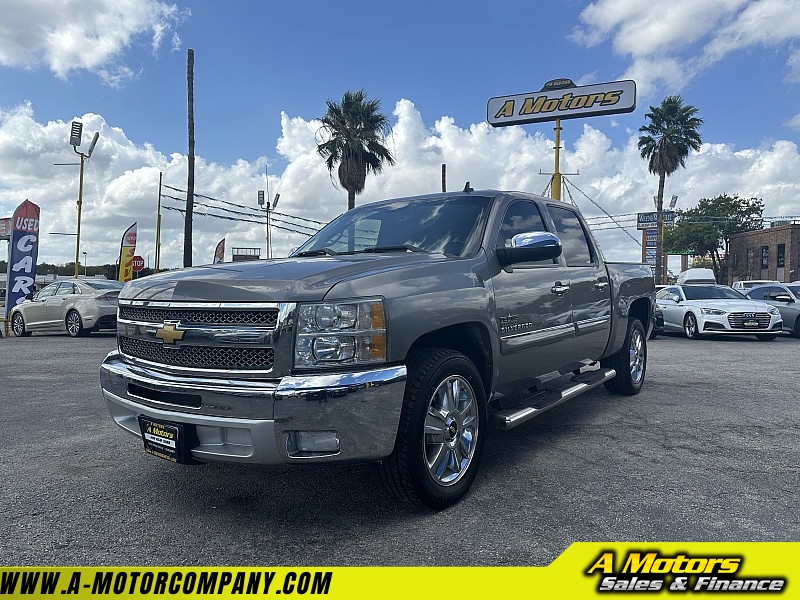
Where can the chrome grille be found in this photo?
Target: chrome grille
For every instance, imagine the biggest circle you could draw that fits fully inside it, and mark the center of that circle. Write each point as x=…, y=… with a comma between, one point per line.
x=256, y=318
x=738, y=320
x=206, y=357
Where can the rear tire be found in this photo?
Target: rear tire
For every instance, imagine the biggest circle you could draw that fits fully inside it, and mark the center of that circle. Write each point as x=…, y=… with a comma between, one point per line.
x=630, y=362
x=440, y=438
x=18, y=326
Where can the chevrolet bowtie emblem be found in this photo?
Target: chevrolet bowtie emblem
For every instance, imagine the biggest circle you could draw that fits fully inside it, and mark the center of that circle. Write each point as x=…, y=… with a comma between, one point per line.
x=169, y=332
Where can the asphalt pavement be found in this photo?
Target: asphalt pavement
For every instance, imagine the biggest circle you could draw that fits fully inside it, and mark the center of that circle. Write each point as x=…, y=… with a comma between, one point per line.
x=708, y=451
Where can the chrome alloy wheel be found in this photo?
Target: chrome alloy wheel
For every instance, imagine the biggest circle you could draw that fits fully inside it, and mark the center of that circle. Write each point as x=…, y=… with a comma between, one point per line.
x=451, y=430
x=74, y=324
x=18, y=325
x=690, y=326
x=637, y=356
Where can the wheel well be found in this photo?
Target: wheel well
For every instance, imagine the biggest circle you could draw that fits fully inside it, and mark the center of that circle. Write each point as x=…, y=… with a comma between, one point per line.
x=471, y=339
x=640, y=309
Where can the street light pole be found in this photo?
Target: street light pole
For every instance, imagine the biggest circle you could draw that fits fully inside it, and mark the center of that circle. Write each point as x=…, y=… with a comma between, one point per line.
x=85, y=265
x=75, y=141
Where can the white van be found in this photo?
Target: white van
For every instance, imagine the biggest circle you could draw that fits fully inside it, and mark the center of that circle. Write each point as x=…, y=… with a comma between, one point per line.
x=697, y=276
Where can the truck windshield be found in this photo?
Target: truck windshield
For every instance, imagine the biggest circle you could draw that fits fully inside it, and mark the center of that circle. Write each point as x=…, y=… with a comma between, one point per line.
x=452, y=226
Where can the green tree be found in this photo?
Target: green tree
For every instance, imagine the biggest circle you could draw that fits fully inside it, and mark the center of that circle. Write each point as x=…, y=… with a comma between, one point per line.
x=353, y=135
x=705, y=230
x=669, y=136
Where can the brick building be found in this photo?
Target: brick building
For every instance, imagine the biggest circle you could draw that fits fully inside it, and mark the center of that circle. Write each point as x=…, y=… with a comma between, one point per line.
x=772, y=253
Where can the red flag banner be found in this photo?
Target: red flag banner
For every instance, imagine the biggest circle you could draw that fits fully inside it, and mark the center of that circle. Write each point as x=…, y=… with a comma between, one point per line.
x=219, y=253
x=127, y=251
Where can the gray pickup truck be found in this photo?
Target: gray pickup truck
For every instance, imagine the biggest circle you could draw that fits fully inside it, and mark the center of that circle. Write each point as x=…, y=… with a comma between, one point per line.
x=397, y=334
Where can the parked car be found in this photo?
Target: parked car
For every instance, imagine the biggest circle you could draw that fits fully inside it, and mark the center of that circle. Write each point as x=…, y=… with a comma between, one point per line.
x=698, y=309
x=744, y=286
x=786, y=298
x=77, y=306
x=658, y=322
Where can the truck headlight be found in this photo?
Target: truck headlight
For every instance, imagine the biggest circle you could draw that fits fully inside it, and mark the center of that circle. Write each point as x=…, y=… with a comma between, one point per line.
x=340, y=333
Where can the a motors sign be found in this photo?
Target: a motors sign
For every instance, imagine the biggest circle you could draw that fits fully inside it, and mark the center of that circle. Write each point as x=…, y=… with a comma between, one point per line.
x=562, y=103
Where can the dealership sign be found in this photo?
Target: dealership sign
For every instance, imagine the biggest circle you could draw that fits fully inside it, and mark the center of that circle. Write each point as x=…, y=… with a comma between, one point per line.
x=22, y=252
x=647, y=220
x=562, y=99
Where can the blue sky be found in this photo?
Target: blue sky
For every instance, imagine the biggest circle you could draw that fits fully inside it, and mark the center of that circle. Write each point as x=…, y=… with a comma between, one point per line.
x=263, y=71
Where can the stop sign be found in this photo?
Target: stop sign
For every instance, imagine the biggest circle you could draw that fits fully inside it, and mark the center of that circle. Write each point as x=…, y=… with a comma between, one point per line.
x=138, y=263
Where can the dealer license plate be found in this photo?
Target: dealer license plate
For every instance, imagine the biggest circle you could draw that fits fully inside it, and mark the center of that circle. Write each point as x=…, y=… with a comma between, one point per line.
x=165, y=440
x=751, y=323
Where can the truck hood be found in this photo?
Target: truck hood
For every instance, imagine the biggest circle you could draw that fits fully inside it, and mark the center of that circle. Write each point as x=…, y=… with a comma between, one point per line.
x=304, y=279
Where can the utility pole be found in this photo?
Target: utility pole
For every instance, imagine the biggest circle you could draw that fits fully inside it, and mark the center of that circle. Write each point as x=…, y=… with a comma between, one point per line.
x=187, y=224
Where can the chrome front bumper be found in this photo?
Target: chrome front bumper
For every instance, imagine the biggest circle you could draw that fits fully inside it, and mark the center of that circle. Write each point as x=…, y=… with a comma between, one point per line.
x=248, y=421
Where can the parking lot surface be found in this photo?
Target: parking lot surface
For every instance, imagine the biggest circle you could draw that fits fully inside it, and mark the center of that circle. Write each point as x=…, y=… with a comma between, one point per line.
x=708, y=451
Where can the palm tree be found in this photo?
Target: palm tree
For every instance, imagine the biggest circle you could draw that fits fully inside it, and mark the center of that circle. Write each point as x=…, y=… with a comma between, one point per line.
x=667, y=140
x=354, y=132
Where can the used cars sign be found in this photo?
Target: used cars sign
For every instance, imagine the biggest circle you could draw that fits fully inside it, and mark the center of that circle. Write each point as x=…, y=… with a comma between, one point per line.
x=561, y=99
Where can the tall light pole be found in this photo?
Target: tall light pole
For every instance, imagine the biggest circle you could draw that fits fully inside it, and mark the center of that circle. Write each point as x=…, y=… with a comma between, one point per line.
x=75, y=141
x=84, y=264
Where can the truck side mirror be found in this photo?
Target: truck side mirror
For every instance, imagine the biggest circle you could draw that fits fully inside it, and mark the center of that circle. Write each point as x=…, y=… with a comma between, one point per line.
x=530, y=247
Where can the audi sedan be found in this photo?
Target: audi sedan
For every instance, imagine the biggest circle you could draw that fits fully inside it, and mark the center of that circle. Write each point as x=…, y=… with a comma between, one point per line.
x=786, y=298
x=702, y=309
x=75, y=306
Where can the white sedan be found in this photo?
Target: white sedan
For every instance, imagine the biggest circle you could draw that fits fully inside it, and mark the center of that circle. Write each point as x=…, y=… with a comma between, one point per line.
x=698, y=309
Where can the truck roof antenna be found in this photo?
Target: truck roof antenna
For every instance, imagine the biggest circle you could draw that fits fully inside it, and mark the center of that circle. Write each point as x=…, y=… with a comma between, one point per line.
x=467, y=188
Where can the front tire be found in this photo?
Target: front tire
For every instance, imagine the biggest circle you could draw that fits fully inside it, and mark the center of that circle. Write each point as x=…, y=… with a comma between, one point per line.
x=18, y=326
x=441, y=434
x=630, y=362
x=74, y=324
x=796, y=330
x=690, y=327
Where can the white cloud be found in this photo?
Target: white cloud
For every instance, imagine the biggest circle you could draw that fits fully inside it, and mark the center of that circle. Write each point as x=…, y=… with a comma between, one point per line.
x=68, y=35
x=121, y=181
x=671, y=42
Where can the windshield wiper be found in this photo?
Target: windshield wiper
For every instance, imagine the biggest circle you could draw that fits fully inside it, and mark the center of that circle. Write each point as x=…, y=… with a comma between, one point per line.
x=317, y=252
x=401, y=248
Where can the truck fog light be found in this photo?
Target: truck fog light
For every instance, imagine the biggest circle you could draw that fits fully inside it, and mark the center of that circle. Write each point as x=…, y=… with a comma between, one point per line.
x=312, y=441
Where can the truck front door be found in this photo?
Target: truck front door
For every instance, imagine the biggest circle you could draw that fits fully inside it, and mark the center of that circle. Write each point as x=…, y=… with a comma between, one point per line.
x=533, y=303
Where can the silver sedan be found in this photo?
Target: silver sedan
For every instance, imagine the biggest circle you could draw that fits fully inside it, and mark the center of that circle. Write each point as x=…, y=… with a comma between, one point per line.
x=75, y=306
x=786, y=298
x=700, y=309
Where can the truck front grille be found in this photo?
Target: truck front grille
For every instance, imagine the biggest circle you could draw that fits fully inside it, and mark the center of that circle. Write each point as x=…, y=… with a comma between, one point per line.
x=202, y=357
x=256, y=318
x=238, y=338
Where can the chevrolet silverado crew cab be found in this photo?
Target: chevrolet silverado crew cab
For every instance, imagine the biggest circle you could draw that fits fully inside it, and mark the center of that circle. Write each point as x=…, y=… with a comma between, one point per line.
x=397, y=334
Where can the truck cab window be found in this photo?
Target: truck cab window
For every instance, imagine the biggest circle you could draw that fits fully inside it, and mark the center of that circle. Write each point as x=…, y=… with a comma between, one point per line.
x=577, y=250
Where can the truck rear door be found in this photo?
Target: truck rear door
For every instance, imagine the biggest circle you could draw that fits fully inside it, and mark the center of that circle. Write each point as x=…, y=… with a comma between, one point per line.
x=589, y=286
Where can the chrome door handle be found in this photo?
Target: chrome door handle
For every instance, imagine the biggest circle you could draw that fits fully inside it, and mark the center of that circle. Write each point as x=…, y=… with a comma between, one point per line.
x=559, y=288
x=601, y=286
